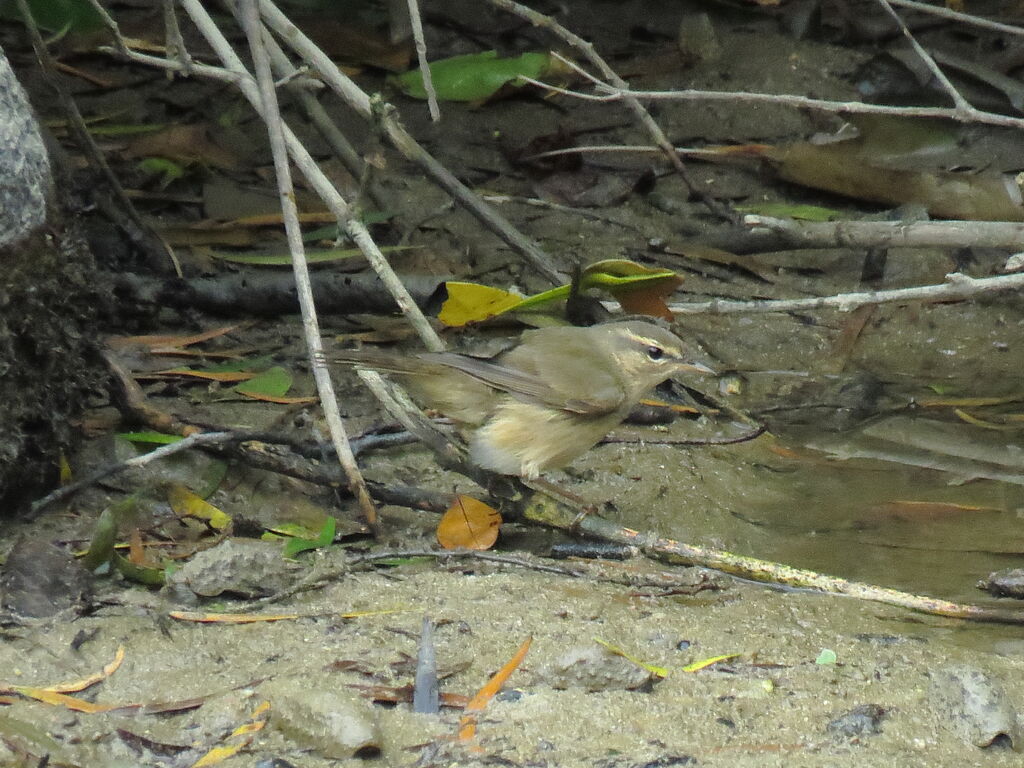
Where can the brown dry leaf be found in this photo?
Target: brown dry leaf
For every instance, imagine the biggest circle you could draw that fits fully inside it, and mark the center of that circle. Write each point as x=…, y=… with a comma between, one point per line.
x=279, y=400
x=927, y=510
x=136, y=552
x=160, y=342
x=887, y=163
x=674, y=407
x=230, y=618
x=225, y=377
x=844, y=168
x=648, y=301
x=846, y=341
x=344, y=40
x=469, y=524
x=277, y=219
x=183, y=143
x=639, y=290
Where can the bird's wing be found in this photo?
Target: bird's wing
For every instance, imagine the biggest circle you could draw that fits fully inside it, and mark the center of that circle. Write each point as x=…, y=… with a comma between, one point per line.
x=527, y=386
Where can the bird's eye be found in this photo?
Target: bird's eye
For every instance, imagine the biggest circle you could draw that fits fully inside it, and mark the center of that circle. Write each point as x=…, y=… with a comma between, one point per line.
x=655, y=353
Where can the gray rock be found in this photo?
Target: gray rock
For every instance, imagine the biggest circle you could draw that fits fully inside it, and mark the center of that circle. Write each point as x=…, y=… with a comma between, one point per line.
x=24, y=167
x=594, y=668
x=243, y=567
x=975, y=706
x=335, y=724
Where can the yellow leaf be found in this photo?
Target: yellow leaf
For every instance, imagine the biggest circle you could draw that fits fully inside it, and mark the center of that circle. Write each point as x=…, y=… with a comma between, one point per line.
x=703, y=663
x=471, y=303
x=187, y=504
x=654, y=670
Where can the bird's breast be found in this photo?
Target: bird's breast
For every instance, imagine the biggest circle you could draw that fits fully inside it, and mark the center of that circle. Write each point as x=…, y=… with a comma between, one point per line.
x=526, y=439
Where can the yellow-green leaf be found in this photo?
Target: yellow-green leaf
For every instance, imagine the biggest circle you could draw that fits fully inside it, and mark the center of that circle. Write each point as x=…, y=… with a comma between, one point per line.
x=475, y=76
x=273, y=382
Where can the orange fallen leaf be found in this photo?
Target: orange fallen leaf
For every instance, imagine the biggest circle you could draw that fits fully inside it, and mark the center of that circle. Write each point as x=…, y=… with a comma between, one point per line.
x=63, y=700
x=469, y=524
x=467, y=724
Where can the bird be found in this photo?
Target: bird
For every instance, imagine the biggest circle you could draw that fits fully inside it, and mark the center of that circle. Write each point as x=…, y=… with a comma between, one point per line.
x=545, y=401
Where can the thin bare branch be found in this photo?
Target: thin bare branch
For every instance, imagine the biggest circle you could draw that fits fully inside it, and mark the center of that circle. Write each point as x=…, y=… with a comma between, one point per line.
x=317, y=179
x=959, y=286
x=640, y=112
x=892, y=234
x=187, y=443
x=962, y=105
x=421, y=54
x=963, y=18
x=349, y=92
x=612, y=94
x=249, y=16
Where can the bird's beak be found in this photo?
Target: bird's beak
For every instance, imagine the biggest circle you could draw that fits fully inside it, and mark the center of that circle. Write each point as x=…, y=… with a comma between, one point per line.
x=695, y=368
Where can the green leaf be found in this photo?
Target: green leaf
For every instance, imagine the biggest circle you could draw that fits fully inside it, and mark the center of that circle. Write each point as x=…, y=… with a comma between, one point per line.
x=104, y=536
x=248, y=365
x=792, y=211
x=56, y=15
x=159, y=438
x=474, y=76
x=141, y=574
x=294, y=546
x=168, y=170
x=123, y=129
x=284, y=259
x=827, y=657
x=273, y=382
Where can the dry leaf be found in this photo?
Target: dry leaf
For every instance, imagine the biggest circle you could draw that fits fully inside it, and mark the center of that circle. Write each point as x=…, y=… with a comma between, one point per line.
x=469, y=524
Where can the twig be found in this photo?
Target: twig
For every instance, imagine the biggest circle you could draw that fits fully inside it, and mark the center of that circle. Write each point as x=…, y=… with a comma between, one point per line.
x=249, y=17
x=405, y=412
x=294, y=38
x=421, y=54
x=237, y=75
x=317, y=179
x=964, y=18
x=639, y=111
x=203, y=438
x=320, y=576
x=892, y=234
x=958, y=287
x=661, y=548
x=175, y=42
x=611, y=94
x=121, y=209
x=536, y=202
x=314, y=110
x=962, y=105
x=746, y=437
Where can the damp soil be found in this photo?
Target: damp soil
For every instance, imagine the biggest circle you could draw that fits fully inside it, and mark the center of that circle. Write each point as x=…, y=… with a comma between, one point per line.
x=892, y=692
